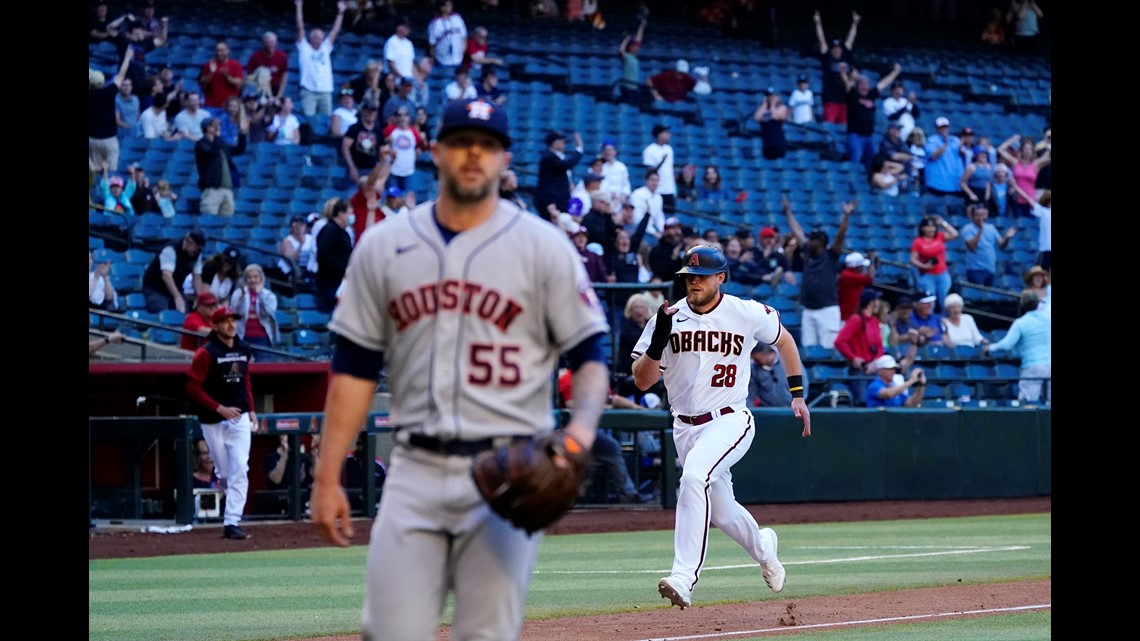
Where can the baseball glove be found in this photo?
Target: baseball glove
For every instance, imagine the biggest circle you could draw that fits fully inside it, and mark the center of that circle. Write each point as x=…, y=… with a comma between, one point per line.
x=532, y=483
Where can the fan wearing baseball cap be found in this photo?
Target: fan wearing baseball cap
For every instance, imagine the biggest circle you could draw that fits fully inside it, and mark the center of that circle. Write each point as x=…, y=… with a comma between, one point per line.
x=860, y=341
x=162, y=280
x=944, y=166
x=802, y=101
x=555, y=162
x=858, y=272
x=889, y=389
x=218, y=385
x=199, y=320
x=770, y=260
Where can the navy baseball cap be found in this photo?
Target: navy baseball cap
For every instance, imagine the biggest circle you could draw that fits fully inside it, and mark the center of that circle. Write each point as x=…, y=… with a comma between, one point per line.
x=394, y=192
x=475, y=113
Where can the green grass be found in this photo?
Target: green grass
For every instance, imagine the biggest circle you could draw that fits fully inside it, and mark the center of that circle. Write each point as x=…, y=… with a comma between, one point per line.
x=255, y=596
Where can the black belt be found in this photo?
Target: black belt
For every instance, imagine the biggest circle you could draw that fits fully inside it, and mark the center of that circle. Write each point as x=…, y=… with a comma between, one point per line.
x=701, y=419
x=456, y=447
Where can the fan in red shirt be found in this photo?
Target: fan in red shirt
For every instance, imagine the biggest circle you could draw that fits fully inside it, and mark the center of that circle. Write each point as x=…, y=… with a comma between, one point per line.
x=672, y=85
x=860, y=341
x=858, y=272
x=221, y=77
x=199, y=321
x=276, y=60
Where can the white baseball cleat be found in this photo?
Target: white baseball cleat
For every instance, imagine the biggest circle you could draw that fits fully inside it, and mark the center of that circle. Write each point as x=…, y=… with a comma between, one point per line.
x=671, y=589
x=773, y=570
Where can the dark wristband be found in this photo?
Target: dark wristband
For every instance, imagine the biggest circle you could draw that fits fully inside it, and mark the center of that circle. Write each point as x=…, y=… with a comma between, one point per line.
x=796, y=386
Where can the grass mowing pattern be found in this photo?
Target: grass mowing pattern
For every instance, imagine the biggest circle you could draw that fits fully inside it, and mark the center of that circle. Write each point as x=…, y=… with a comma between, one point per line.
x=256, y=596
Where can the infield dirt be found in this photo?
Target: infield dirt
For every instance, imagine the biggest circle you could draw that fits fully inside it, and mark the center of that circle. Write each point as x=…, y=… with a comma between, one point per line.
x=771, y=614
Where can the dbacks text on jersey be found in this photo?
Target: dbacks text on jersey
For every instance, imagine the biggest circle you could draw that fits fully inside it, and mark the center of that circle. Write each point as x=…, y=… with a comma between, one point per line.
x=707, y=341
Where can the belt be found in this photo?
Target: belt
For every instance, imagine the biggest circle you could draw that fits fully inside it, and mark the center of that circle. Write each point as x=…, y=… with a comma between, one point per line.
x=701, y=419
x=456, y=447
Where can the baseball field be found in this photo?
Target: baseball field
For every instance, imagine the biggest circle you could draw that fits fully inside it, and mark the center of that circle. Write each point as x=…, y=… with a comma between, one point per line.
x=970, y=570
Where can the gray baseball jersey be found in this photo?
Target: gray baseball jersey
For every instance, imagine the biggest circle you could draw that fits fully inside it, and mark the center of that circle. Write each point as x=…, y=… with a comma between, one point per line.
x=708, y=361
x=461, y=322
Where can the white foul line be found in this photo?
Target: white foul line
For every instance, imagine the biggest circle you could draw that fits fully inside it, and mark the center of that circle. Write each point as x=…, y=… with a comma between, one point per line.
x=910, y=617
x=973, y=550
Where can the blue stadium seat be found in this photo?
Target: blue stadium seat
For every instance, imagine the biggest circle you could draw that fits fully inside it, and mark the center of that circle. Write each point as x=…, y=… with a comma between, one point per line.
x=307, y=340
x=305, y=301
x=126, y=283
x=135, y=256
x=286, y=319
x=313, y=319
x=135, y=300
x=171, y=317
x=817, y=353
x=967, y=351
x=164, y=336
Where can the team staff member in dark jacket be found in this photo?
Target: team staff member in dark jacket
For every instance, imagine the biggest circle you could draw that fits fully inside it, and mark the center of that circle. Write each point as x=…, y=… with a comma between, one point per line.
x=217, y=173
x=334, y=245
x=218, y=385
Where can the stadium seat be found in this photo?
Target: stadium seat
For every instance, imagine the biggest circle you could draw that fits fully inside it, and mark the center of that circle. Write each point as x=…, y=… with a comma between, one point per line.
x=305, y=301
x=135, y=300
x=171, y=317
x=313, y=319
x=307, y=340
x=164, y=336
x=286, y=319
x=126, y=283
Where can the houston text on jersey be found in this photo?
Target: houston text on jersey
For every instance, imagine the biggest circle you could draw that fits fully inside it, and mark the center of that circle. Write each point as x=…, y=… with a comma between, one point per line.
x=409, y=306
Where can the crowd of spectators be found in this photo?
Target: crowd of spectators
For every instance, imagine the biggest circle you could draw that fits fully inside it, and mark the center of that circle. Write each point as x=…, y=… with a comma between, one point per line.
x=621, y=214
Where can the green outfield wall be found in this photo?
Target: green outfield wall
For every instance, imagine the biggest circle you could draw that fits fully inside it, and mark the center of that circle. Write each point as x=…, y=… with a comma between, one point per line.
x=139, y=466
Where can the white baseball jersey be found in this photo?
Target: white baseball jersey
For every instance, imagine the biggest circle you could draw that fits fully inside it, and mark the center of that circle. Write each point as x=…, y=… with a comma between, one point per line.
x=448, y=37
x=708, y=361
x=463, y=323
x=651, y=156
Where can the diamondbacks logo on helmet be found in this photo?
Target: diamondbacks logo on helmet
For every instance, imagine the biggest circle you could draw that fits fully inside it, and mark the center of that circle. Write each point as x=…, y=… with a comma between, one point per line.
x=704, y=260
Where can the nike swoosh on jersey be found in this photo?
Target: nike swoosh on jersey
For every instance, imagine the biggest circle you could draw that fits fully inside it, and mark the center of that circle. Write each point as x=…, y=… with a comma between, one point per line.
x=400, y=250
x=681, y=320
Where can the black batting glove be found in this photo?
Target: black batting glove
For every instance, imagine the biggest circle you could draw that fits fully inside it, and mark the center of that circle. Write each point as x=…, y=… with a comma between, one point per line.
x=661, y=333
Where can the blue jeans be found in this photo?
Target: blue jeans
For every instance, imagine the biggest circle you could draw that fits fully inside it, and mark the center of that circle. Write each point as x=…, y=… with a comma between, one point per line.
x=939, y=284
x=860, y=149
x=980, y=277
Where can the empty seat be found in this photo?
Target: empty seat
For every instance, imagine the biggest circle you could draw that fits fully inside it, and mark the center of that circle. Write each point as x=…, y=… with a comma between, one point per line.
x=313, y=319
x=305, y=301
x=816, y=353
x=134, y=300
x=171, y=317
x=286, y=319
x=135, y=256
x=126, y=283
x=164, y=336
x=307, y=340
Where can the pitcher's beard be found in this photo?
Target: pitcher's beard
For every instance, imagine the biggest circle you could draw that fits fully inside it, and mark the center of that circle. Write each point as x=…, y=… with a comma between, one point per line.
x=468, y=195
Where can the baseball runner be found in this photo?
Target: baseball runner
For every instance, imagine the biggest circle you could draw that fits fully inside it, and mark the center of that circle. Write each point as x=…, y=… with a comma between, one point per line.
x=469, y=301
x=703, y=346
x=218, y=384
